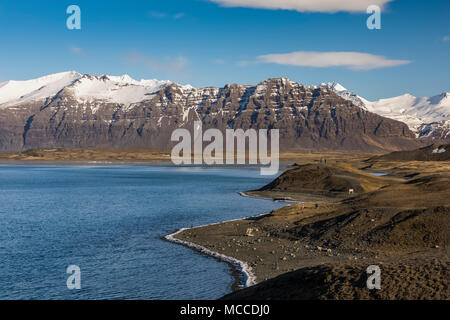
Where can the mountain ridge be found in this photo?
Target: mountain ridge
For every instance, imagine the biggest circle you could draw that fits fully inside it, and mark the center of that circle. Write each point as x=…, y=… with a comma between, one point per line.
x=118, y=111
x=427, y=117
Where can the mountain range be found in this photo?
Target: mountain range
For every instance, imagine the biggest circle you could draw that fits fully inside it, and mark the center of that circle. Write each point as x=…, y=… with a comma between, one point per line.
x=71, y=110
x=427, y=117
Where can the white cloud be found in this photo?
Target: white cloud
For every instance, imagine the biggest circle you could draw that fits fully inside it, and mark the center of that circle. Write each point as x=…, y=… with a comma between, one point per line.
x=76, y=50
x=351, y=60
x=446, y=39
x=305, y=5
x=162, y=15
x=178, y=64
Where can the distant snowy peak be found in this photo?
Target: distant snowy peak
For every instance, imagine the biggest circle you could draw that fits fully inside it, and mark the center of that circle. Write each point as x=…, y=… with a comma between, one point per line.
x=426, y=116
x=443, y=100
x=15, y=92
x=344, y=93
x=334, y=86
x=117, y=89
x=414, y=111
x=125, y=79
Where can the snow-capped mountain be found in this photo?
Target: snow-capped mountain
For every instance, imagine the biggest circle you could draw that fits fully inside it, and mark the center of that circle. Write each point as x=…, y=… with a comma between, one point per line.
x=118, y=89
x=122, y=89
x=343, y=92
x=16, y=92
x=71, y=110
x=426, y=116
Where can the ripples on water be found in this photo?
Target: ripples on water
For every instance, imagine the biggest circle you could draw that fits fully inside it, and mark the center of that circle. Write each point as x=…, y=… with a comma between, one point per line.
x=108, y=221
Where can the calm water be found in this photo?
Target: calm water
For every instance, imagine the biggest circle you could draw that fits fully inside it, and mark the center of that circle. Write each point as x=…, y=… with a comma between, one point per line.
x=108, y=221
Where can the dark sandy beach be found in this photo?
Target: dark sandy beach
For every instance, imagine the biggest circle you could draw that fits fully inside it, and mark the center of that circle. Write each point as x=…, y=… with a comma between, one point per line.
x=320, y=249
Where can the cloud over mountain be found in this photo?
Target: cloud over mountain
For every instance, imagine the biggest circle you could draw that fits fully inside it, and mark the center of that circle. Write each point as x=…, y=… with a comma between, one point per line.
x=351, y=60
x=305, y=5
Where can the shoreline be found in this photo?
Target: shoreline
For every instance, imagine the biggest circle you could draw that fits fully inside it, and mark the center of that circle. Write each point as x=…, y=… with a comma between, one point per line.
x=136, y=163
x=249, y=278
x=240, y=262
x=290, y=198
x=240, y=271
x=273, y=261
x=245, y=195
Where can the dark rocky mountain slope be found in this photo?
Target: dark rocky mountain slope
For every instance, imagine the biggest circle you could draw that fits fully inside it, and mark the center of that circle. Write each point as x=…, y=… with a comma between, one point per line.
x=308, y=118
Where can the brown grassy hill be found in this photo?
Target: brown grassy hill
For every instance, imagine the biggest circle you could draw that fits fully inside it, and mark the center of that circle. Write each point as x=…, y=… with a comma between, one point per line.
x=94, y=154
x=398, y=217
x=403, y=226
x=435, y=152
x=321, y=178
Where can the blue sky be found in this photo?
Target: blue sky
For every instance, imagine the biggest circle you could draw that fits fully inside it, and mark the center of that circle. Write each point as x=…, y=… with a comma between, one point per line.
x=207, y=42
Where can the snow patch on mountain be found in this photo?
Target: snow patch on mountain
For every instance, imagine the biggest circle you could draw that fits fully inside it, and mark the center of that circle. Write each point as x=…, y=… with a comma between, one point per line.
x=85, y=88
x=343, y=92
x=15, y=92
x=424, y=115
x=426, y=108
x=117, y=89
x=413, y=111
x=439, y=150
x=440, y=130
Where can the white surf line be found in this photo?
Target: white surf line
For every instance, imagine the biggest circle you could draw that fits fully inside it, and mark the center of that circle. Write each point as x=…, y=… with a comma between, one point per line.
x=246, y=270
x=243, y=194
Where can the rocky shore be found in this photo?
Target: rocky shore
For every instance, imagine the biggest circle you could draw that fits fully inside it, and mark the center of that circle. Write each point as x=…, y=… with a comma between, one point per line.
x=320, y=248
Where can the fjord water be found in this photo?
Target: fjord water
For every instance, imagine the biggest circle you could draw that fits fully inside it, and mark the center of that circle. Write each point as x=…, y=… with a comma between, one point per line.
x=109, y=221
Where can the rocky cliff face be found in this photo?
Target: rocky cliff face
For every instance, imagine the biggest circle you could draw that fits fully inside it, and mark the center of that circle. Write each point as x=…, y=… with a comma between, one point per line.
x=112, y=112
